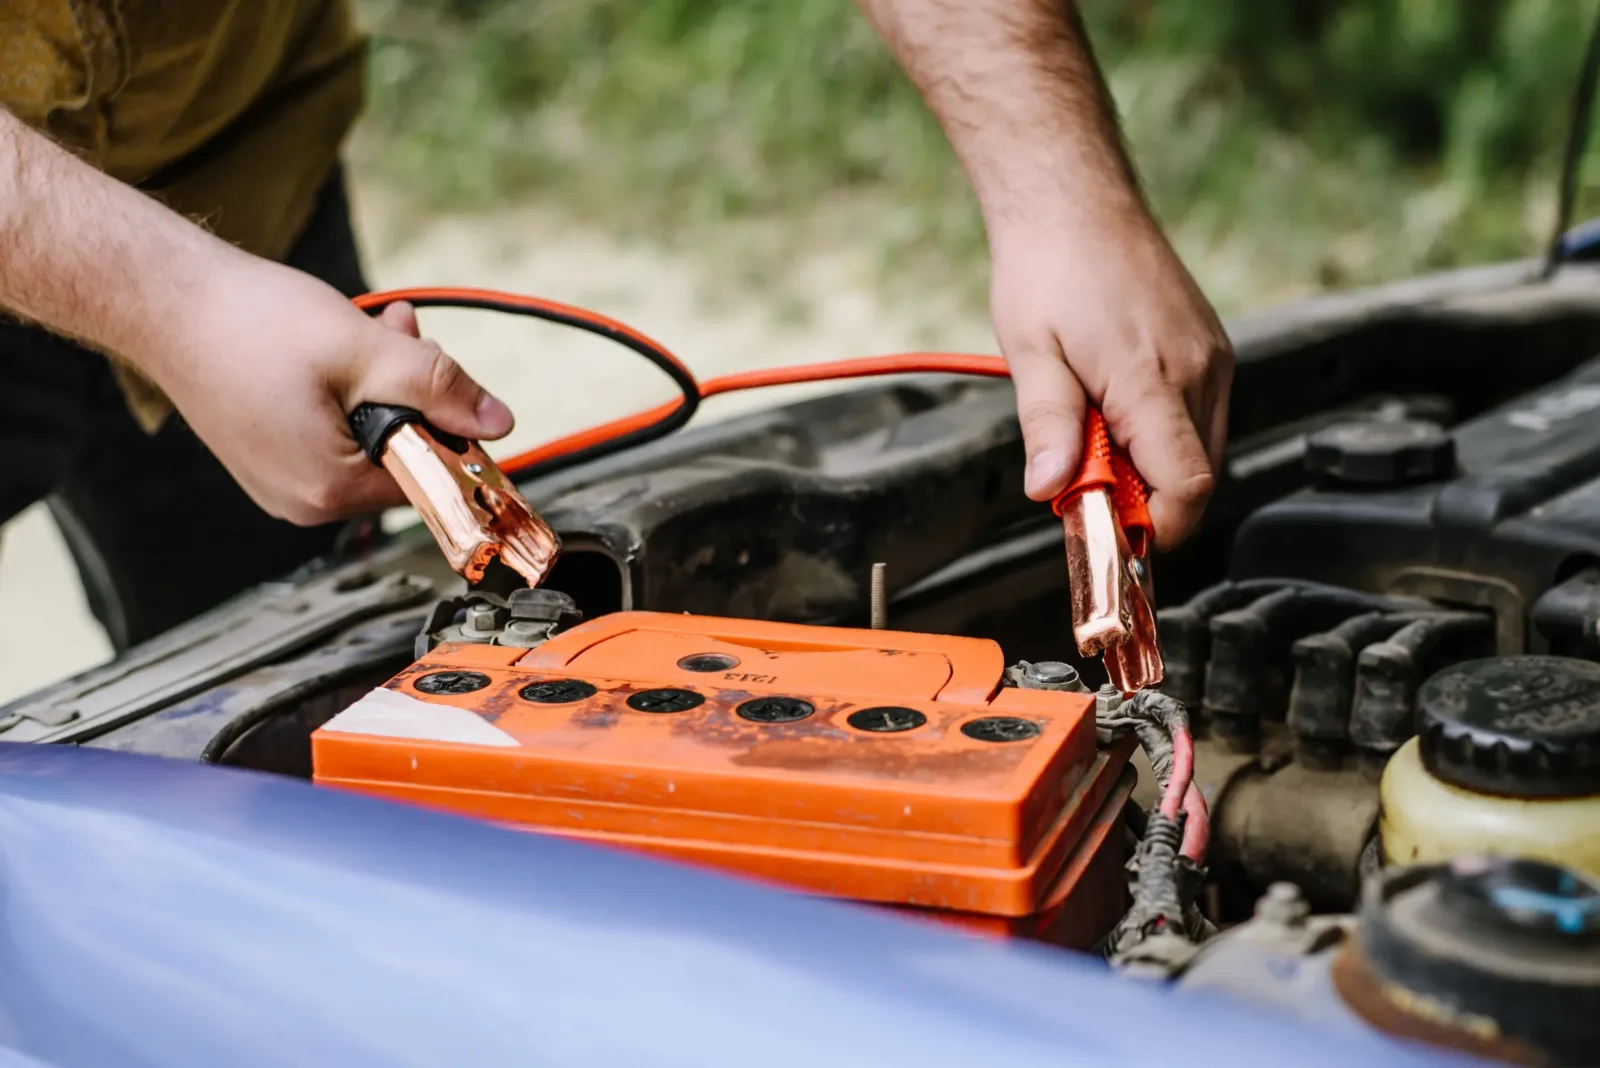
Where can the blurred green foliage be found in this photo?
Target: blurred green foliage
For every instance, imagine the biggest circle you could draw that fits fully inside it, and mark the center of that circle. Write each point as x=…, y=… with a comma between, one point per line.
x=1288, y=146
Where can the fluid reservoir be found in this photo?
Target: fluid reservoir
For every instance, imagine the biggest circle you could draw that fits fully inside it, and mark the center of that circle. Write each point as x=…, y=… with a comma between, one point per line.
x=1506, y=762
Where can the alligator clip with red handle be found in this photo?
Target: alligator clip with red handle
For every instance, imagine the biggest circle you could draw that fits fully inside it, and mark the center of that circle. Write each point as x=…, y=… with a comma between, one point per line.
x=1104, y=512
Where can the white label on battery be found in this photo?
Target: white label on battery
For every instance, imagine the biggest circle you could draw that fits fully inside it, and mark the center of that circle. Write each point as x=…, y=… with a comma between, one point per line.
x=390, y=714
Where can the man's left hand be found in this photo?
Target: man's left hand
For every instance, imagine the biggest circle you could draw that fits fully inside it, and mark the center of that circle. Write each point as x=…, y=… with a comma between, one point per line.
x=1111, y=317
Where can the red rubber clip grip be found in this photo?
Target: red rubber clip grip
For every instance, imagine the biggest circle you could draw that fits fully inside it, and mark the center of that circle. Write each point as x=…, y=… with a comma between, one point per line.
x=1105, y=515
x=1108, y=466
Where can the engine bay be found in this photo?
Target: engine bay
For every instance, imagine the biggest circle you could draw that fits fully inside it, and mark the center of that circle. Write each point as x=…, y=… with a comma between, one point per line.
x=1382, y=653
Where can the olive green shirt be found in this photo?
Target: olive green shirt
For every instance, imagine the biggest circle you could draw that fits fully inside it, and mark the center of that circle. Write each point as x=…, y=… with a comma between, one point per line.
x=229, y=111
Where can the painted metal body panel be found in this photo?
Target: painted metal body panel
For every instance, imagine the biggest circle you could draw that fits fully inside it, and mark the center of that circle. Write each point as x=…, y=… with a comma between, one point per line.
x=160, y=913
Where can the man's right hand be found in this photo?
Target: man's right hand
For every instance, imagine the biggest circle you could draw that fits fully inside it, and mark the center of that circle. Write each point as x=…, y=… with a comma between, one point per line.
x=274, y=363
x=264, y=362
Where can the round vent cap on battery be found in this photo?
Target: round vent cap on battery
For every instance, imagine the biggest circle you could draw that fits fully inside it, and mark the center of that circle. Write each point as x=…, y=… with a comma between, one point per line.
x=1381, y=452
x=1519, y=726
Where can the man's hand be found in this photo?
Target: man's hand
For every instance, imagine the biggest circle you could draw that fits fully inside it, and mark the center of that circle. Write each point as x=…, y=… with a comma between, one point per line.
x=1114, y=316
x=263, y=362
x=273, y=365
x=1089, y=300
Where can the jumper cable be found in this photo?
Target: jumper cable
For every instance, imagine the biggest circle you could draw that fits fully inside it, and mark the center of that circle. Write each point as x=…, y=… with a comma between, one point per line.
x=477, y=516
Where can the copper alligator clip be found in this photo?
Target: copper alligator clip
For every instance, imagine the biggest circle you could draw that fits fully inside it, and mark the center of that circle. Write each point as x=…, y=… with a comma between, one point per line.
x=469, y=506
x=1109, y=534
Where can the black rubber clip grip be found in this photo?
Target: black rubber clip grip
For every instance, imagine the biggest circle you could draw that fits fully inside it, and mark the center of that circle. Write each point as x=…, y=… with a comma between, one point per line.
x=372, y=424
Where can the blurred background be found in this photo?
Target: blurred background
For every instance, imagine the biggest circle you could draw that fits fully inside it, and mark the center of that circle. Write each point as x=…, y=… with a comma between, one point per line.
x=754, y=182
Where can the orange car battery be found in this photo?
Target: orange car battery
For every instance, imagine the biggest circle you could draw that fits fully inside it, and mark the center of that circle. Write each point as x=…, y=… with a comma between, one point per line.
x=873, y=765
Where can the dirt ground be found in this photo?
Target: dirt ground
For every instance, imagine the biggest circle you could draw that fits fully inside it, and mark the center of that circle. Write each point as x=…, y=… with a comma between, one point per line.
x=822, y=307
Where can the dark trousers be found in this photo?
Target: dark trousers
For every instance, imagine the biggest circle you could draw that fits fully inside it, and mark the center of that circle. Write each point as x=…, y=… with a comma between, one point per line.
x=158, y=529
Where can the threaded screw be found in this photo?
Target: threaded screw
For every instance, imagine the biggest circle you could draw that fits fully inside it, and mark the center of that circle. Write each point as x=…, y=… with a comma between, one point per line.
x=879, y=597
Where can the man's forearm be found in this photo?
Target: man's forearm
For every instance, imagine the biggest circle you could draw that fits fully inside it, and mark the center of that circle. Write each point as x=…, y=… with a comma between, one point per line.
x=91, y=258
x=1015, y=86
x=1091, y=304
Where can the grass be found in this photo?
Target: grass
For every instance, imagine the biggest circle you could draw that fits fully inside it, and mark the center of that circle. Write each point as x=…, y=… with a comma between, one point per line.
x=1287, y=147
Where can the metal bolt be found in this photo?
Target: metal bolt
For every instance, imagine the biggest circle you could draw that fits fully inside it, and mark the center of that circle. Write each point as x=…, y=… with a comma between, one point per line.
x=476, y=469
x=482, y=619
x=1283, y=904
x=1107, y=699
x=880, y=599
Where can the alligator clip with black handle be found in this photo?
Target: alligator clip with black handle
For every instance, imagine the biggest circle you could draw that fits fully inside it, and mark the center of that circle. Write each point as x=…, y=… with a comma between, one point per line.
x=1109, y=533
x=469, y=506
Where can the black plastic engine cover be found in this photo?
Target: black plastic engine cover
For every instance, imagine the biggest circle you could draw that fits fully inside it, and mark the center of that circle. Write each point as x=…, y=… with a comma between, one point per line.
x=1517, y=514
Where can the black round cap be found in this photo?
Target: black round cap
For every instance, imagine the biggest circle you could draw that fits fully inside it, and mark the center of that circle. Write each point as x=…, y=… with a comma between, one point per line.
x=1000, y=729
x=557, y=691
x=1515, y=942
x=708, y=662
x=1390, y=452
x=452, y=683
x=1521, y=726
x=667, y=699
x=775, y=709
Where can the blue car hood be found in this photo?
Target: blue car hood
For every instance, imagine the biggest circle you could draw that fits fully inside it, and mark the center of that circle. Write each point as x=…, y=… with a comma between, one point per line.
x=158, y=913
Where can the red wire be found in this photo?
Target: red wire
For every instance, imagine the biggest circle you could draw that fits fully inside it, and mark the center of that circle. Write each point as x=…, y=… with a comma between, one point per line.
x=909, y=363
x=1183, y=796
x=1196, y=826
x=838, y=370
x=1182, y=773
x=422, y=296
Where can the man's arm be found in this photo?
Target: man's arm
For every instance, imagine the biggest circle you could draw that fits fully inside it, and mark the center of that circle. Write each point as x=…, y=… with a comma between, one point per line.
x=1087, y=296
x=262, y=361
